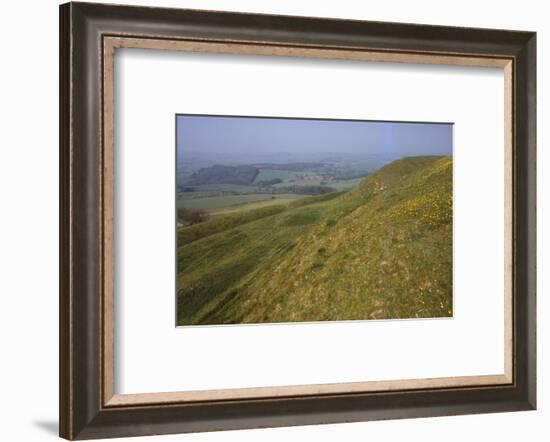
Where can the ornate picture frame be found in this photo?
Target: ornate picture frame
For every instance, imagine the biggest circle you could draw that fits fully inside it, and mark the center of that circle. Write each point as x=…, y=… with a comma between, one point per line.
x=89, y=36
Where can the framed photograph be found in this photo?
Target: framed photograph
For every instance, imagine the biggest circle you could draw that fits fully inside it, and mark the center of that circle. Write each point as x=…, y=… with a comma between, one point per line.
x=271, y=220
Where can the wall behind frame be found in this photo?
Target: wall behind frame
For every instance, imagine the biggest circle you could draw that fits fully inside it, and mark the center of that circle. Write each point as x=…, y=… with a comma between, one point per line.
x=29, y=216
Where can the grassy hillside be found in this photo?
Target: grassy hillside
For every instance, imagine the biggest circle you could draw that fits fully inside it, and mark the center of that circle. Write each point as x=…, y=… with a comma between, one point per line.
x=215, y=204
x=224, y=175
x=382, y=250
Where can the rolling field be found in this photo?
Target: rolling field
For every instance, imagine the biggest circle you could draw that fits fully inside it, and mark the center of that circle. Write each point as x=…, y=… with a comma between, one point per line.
x=221, y=188
x=269, y=174
x=217, y=203
x=273, y=200
x=317, y=180
x=381, y=250
x=345, y=184
x=218, y=199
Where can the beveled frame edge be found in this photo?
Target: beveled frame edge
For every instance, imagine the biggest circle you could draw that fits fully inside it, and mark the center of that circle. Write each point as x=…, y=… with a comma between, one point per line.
x=110, y=399
x=83, y=410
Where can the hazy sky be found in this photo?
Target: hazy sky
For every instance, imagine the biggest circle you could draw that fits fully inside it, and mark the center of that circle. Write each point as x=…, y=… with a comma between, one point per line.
x=242, y=135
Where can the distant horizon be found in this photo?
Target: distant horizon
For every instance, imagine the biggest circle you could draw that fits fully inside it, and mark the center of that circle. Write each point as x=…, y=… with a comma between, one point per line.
x=200, y=135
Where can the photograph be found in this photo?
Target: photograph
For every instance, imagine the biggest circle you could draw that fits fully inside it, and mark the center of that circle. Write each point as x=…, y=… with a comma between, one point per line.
x=242, y=196
x=282, y=220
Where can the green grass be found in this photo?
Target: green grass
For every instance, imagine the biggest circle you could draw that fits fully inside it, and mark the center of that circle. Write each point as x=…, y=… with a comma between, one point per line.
x=218, y=188
x=345, y=184
x=273, y=200
x=337, y=184
x=313, y=180
x=214, y=190
x=381, y=250
x=269, y=174
x=188, y=234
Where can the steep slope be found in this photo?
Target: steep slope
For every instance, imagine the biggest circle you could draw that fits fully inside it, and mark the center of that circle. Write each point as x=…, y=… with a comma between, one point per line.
x=383, y=250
